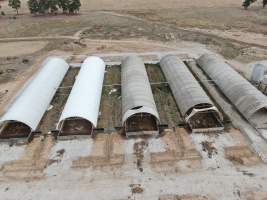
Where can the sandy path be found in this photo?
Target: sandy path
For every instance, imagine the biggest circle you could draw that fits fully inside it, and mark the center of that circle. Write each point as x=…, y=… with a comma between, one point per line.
x=234, y=35
x=17, y=39
x=246, y=37
x=239, y=36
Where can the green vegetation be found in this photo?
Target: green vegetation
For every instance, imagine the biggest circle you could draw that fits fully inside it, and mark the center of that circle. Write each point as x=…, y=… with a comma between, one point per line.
x=74, y=6
x=52, y=6
x=247, y=3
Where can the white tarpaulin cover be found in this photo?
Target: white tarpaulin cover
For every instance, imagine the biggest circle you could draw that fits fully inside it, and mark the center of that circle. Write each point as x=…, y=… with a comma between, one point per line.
x=34, y=99
x=85, y=96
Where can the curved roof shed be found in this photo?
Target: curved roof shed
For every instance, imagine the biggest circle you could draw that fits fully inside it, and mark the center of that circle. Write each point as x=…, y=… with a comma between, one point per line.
x=33, y=100
x=137, y=97
x=248, y=100
x=81, y=111
x=190, y=97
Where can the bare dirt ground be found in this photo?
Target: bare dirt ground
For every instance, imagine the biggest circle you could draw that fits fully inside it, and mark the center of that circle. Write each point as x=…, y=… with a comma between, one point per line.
x=164, y=99
x=178, y=165
x=19, y=48
x=110, y=107
x=173, y=165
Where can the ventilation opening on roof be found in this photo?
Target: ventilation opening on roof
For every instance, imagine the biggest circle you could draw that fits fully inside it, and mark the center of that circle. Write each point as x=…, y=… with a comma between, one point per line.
x=76, y=126
x=203, y=105
x=14, y=129
x=137, y=107
x=259, y=119
x=141, y=124
x=204, y=118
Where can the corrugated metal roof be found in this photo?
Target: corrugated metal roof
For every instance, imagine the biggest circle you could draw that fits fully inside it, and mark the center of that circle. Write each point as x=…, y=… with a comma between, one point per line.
x=85, y=96
x=32, y=102
x=239, y=91
x=137, y=95
x=186, y=90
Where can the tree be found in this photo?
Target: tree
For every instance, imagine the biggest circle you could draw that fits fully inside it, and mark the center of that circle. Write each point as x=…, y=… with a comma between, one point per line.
x=53, y=5
x=43, y=6
x=15, y=4
x=74, y=6
x=33, y=6
x=63, y=4
x=2, y=12
x=247, y=3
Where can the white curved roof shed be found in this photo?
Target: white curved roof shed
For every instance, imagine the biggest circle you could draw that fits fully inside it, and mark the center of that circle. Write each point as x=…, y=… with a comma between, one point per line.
x=81, y=111
x=33, y=100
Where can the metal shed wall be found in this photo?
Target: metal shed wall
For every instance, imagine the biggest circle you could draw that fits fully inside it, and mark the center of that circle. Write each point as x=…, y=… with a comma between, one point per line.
x=136, y=90
x=85, y=96
x=186, y=90
x=32, y=102
x=248, y=100
x=257, y=74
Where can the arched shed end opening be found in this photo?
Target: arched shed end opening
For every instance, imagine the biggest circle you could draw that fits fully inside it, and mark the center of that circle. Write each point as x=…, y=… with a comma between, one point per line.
x=14, y=129
x=204, y=119
x=139, y=112
x=75, y=126
x=258, y=119
x=80, y=113
x=141, y=124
